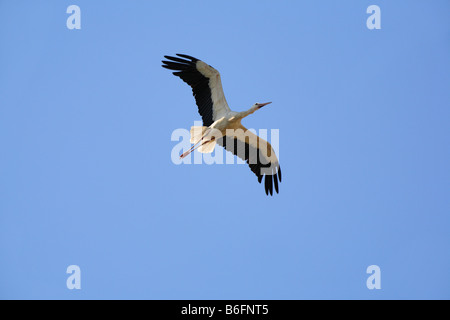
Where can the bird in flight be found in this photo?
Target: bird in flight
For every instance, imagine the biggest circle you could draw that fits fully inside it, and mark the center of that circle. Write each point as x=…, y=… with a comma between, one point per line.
x=221, y=125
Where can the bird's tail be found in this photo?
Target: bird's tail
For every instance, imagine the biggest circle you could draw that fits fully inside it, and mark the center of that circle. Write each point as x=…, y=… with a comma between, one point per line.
x=203, y=135
x=197, y=132
x=208, y=146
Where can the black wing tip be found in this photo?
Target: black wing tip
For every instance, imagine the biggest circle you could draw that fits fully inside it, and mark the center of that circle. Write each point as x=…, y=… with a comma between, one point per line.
x=174, y=63
x=275, y=182
x=187, y=57
x=184, y=56
x=268, y=185
x=171, y=58
x=271, y=182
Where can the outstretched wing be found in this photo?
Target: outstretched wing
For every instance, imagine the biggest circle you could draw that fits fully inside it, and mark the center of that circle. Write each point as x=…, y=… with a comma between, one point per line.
x=257, y=152
x=205, y=83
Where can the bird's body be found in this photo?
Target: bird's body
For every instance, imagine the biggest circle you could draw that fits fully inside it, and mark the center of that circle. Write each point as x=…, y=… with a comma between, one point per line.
x=228, y=121
x=221, y=125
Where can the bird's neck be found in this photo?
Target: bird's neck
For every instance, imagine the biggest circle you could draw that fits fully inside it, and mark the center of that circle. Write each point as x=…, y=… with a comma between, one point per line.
x=244, y=114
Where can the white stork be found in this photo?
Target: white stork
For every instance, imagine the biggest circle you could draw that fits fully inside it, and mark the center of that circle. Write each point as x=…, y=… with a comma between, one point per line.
x=222, y=125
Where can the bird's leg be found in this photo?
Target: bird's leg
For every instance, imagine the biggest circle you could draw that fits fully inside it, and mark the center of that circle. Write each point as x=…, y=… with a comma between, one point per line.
x=197, y=145
x=190, y=150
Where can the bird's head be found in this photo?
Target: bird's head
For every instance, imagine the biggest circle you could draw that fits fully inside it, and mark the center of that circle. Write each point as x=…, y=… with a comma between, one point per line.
x=258, y=105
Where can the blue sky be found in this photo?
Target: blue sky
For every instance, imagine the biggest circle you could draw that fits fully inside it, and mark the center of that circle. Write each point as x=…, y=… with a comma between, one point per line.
x=86, y=176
